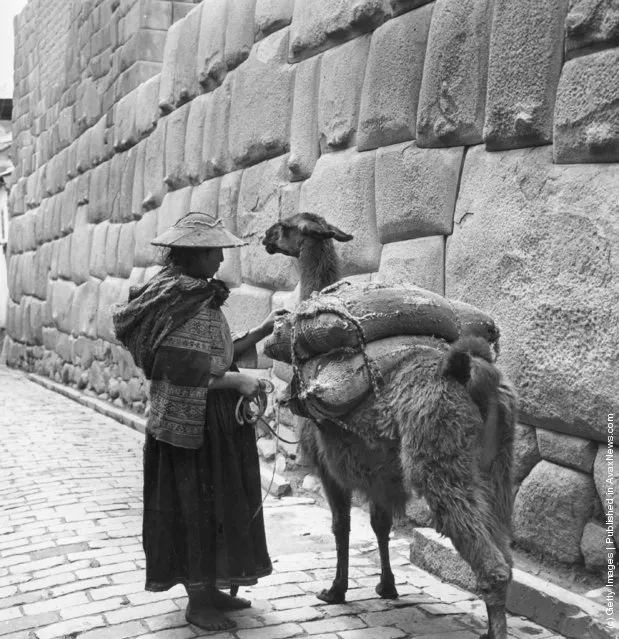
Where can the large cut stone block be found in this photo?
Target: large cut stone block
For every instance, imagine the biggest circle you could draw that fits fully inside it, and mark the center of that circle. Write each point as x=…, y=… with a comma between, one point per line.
x=246, y=307
x=81, y=247
x=98, y=248
x=341, y=79
x=271, y=15
x=390, y=94
x=526, y=53
x=64, y=257
x=99, y=205
x=262, y=103
x=112, y=290
x=420, y=262
x=239, y=31
x=179, y=81
x=27, y=273
x=304, y=137
x=453, y=90
x=227, y=205
x=551, y=509
x=112, y=239
x=62, y=298
x=216, y=154
x=259, y=208
x=84, y=310
x=69, y=208
x=42, y=266
x=526, y=451
x=205, y=197
x=174, y=206
x=416, y=191
x=566, y=450
x=137, y=190
x=147, y=106
x=154, y=166
x=320, y=24
x=211, y=63
x=533, y=247
x=194, y=166
x=118, y=168
x=341, y=190
x=591, y=24
x=402, y=6
x=606, y=478
x=125, y=250
x=145, y=254
x=175, y=174
x=586, y=119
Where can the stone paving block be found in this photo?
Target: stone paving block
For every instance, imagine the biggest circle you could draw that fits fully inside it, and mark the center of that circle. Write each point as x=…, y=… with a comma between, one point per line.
x=154, y=166
x=84, y=308
x=271, y=15
x=227, y=206
x=586, y=118
x=98, y=249
x=174, y=206
x=262, y=102
x=320, y=24
x=247, y=306
x=98, y=204
x=125, y=125
x=61, y=302
x=566, y=450
x=211, y=64
x=342, y=72
x=591, y=24
x=304, y=137
x=259, y=208
x=551, y=509
x=216, y=154
x=453, y=90
x=388, y=111
x=81, y=247
x=179, y=82
x=341, y=190
x=147, y=105
x=239, y=32
x=145, y=254
x=420, y=262
x=416, y=191
x=175, y=174
x=545, y=293
x=194, y=166
x=523, y=72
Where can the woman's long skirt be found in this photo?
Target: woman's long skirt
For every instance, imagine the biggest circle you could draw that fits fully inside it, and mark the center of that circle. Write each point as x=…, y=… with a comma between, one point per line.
x=203, y=521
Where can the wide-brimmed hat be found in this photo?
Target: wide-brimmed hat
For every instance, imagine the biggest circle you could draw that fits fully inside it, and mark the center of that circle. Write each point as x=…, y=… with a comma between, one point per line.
x=198, y=230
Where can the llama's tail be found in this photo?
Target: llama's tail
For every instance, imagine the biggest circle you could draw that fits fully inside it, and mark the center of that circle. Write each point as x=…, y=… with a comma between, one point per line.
x=470, y=361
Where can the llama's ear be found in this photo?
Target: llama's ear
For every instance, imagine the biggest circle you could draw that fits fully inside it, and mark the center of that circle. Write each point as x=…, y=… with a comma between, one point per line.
x=340, y=236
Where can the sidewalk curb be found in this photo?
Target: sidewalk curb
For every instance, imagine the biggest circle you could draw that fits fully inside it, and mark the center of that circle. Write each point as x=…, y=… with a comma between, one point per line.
x=542, y=602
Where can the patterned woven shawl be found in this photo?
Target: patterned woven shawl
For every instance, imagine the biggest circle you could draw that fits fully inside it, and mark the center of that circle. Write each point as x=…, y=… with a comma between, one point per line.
x=159, y=307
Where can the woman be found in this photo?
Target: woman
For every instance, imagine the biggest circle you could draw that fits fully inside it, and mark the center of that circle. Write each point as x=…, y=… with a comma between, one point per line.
x=203, y=524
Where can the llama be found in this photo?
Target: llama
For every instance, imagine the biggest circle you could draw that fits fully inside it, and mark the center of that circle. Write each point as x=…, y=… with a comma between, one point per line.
x=445, y=406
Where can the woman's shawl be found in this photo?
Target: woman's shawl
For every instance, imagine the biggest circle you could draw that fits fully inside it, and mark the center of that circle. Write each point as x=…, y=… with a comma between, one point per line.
x=176, y=333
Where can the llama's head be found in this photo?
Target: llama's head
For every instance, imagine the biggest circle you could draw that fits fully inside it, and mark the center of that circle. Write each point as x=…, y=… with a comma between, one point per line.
x=289, y=235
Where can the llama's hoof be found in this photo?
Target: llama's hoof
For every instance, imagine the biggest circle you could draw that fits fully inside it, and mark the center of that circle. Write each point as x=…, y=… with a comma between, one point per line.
x=332, y=596
x=386, y=591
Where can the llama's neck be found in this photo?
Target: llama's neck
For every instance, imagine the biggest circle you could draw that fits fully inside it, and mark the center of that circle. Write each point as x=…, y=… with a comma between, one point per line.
x=319, y=266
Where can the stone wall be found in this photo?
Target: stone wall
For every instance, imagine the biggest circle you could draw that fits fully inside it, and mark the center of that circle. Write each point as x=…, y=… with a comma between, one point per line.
x=471, y=147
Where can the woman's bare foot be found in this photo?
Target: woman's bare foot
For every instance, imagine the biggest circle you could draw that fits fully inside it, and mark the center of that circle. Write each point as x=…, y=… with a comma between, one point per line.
x=224, y=601
x=208, y=618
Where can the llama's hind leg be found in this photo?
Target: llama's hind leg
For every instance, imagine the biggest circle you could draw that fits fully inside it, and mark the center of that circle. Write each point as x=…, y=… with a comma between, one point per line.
x=340, y=501
x=381, y=520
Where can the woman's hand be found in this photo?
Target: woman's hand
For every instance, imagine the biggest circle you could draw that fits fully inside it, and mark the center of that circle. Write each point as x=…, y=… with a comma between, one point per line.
x=267, y=325
x=247, y=385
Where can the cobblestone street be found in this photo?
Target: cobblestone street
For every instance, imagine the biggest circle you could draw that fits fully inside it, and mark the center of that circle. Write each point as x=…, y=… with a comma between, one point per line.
x=72, y=563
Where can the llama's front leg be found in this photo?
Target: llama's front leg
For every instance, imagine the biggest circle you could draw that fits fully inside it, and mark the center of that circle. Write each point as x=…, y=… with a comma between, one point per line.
x=340, y=502
x=381, y=520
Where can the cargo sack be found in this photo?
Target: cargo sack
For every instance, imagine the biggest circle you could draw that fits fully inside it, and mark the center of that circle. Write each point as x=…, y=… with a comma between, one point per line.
x=332, y=385
x=349, y=315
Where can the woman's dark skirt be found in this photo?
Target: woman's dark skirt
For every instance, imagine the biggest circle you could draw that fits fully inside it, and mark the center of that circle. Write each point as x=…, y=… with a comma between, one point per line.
x=203, y=522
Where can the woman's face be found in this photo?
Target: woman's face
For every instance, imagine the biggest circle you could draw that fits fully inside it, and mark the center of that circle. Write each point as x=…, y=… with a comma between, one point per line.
x=207, y=262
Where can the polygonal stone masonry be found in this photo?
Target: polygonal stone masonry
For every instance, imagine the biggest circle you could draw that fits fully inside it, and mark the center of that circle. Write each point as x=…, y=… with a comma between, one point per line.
x=526, y=451
x=147, y=106
x=61, y=303
x=84, y=309
x=174, y=206
x=531, y=246
x=154, y=167
x=228, y=187
x=591, y=24
x=98, y=250
x=388, y=111
x=239, y=32
x=111, y=291
x=81, y=247
x=586, y=117
x=420, y=262
x=341, y=189
x=342, y=71
x=606, y=478
x=205, y=197
x=453, y=90
x=194, y=165
x=215, y=153
x=175, y=173
x=271, y=15
x=261, y=103
x=145, y=253
x=416, y=191
x=526, y=54
x=211, y=63
x=573, y=452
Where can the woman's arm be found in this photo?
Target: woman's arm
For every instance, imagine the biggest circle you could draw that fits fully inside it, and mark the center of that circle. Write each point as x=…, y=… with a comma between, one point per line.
x=254, y=335
x=245, y=384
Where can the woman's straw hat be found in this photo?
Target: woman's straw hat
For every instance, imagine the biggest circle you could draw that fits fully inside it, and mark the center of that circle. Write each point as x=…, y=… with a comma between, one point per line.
x=198, y=230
